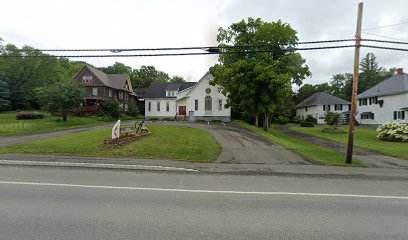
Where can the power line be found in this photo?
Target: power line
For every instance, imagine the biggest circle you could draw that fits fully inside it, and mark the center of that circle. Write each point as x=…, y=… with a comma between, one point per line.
x=382, y=36
x=385, y=26
x=387, y=48
x=175, y=54
x=384, y=41
x=117, y=50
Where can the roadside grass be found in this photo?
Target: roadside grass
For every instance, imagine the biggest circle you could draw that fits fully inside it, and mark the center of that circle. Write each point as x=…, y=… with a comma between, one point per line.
x=9, y=125
x=165, y=142
x=364, y=137
x=305, y=149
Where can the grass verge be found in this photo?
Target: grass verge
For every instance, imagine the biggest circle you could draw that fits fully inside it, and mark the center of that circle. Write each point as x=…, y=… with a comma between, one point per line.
x=165, y=142
x=364, y=137
x=10, y=126
x=305, y=149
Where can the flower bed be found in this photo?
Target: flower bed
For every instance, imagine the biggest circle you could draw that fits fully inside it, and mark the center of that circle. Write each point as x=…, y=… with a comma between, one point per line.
x=394, y=132
x=122, y=140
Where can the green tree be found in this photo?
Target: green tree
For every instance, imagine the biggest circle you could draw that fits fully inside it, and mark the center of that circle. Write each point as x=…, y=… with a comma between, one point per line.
x=61, y=96
x=111, y=109
x=332, y=119
x=117, y=68
x=148, y=74
x=177, y=79
x=4, y=93
x=257, y=83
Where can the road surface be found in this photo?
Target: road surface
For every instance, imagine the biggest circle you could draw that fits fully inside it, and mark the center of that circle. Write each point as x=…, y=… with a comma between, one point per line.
x=74, y=203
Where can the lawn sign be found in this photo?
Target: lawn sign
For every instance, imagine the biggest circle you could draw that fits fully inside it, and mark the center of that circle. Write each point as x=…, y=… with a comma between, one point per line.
x=122, y=134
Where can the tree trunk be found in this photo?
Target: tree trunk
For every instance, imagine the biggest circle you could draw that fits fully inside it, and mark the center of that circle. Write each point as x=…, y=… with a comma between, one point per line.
x=257, y=118
x=266, y=121
x=64, y=116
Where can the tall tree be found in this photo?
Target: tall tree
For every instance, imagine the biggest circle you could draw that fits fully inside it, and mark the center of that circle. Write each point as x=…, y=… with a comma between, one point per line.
x=117, y=68
x=148, y=74
x=177, y=79
x=258, y=82
x=4, y=93
x=61, y=96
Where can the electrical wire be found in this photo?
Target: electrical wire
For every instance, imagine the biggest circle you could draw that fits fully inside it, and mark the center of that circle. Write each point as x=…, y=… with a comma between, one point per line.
x=175, y=54
x=387, y=48
x=373, y=34
x=117, y=50
x=386, y=26
x=385, y=41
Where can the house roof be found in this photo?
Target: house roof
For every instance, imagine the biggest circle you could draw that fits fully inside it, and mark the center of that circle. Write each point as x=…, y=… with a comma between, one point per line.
x=116, y=81
x=393, y=85
x=158, y=90
x=321, y=98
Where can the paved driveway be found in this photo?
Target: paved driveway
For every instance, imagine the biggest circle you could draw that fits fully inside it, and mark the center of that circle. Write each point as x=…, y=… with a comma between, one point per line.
x=241, y=146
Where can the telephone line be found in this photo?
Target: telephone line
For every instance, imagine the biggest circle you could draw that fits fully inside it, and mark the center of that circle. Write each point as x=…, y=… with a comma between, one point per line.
x=173, y=54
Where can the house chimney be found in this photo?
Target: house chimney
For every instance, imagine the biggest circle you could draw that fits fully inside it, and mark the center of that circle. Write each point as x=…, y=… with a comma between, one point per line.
x=400, y=71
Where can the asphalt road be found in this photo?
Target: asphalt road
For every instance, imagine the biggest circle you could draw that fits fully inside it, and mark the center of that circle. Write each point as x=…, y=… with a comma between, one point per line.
x=71, y=203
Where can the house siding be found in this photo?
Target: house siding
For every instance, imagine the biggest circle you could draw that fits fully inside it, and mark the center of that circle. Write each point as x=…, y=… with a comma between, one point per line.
x=384, y=114
x=162, y=113
x=318, y=113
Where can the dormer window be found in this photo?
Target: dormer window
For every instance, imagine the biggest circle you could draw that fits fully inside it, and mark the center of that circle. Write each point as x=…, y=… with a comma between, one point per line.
x=87, y=79
x=170, y=93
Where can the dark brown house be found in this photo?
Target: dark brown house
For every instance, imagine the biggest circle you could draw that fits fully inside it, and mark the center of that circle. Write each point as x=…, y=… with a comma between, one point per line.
x=101, y=86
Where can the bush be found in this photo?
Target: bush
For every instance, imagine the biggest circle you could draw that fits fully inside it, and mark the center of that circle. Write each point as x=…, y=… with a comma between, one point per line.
x=394, y=132
x=154, y=119
x=311, y=119
x=282, y=120
x=332, y=129
x=306, y=124
x=216, y=121
x=332, y=119
x=296, y=120
x=111, y=109
x=200, y=120
x=29, y=115
x=168, y=119
x=133, y=111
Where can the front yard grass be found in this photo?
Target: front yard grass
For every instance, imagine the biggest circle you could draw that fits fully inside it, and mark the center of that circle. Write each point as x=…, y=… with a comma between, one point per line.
x=364, y=137
x=305, y=149
x=165, y=142
x=10, y=126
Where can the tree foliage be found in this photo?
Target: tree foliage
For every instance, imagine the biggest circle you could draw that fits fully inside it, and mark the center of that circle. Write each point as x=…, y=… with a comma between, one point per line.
x=4, y=93
x=258, y=83
x=61, y=96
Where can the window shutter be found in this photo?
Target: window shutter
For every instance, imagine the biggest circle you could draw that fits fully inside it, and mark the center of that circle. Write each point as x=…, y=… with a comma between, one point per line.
x=395, y=115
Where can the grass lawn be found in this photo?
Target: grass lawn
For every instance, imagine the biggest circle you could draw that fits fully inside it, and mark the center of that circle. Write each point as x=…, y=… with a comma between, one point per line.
x=165, y=142
x=305, y=149
x=364, y=137
x=10, y=126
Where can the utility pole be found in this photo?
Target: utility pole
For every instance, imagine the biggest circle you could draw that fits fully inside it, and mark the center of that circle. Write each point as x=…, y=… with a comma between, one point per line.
x=355, y=85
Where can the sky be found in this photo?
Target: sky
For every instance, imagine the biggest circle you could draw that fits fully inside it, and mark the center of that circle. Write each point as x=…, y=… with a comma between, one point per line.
x=58, y=24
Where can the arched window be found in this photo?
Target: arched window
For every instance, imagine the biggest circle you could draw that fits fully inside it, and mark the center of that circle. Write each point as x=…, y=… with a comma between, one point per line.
x=208, y=103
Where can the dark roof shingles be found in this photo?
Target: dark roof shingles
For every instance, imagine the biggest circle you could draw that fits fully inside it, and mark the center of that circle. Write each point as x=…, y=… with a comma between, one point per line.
x=321, y=98
x=393, y=85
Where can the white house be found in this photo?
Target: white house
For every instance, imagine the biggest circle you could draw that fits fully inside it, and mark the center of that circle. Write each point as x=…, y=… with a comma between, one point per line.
x=193, y=100
x=321, y=103
x=386, y=102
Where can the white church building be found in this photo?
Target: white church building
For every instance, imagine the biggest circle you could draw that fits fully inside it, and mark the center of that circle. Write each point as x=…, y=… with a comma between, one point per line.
x=189, y=100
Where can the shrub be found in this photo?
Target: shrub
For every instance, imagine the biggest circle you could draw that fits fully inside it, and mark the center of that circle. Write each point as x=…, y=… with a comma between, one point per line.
x=394, y=132
x=200, y=120
x=133, y=111
x=216, y=121
x=29, y=115
x=111, y=109
x=168, y=119
x=296, y=120
x=282, y=120
x=154, y=119
x=332, y=119
x=306, y=124
x=311, y=119
x=332, y=129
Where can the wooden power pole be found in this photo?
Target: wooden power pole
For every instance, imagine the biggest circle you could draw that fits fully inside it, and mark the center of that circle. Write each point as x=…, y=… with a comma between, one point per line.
x=355, y=85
